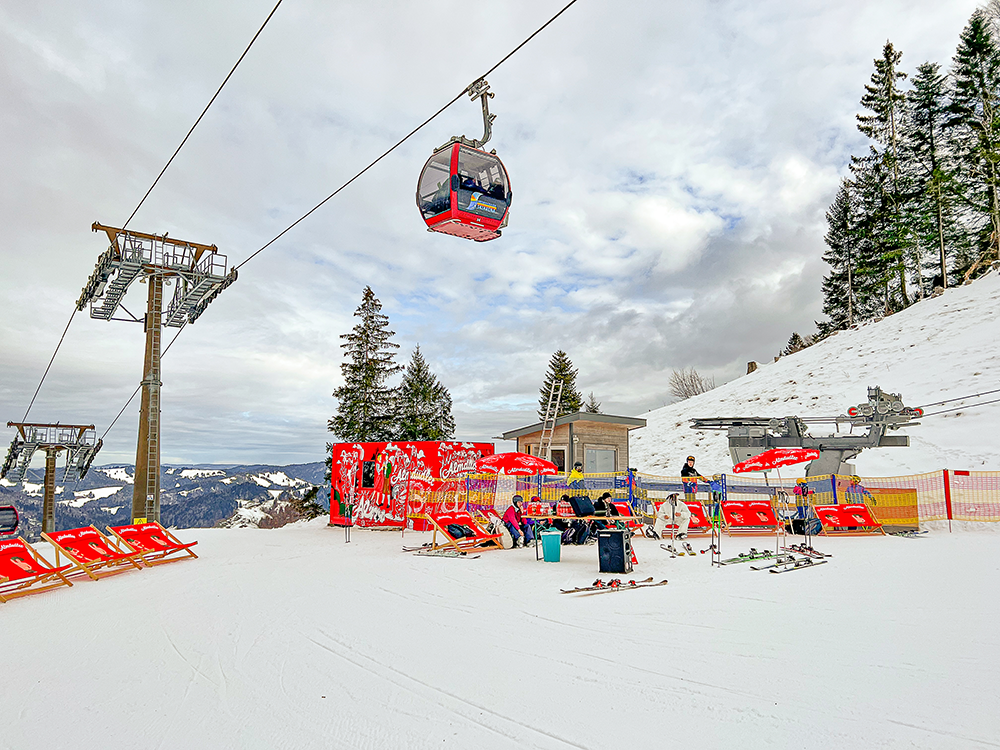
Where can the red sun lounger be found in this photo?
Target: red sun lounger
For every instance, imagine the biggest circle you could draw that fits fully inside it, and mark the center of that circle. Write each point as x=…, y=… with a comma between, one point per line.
x=23, y=571
x=154, y=543
x=90, y=552
x=853, y=519
x=749, y=517
x=479, y=540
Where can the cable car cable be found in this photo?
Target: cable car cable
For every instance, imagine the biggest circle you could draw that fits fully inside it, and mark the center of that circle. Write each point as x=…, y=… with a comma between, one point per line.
x=49, y=366
x=961, y=398
x=210, y=102
x=405, y=138
x=162, y=171
x=139, y=387
x=961, y=408
x=335, y=192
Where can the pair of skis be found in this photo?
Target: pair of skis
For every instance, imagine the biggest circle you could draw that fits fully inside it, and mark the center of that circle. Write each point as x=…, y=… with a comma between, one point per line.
x=798, y=564
x=750, y=556
x=674, y=552
x=426, y=551
x=615, y=584
x=808, y=551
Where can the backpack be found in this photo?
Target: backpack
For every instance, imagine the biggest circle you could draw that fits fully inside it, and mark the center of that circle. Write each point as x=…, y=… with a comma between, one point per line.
x=496, y=526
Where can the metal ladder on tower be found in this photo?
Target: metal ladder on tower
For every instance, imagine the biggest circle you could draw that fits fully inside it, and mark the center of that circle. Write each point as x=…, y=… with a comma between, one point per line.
x=549, y=422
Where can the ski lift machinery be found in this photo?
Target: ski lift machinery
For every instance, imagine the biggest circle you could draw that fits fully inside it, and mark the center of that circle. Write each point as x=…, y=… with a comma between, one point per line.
x=749, y=436
x=463, y=190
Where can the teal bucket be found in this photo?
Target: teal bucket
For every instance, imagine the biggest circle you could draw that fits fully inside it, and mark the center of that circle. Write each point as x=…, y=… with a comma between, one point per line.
x=551, y=549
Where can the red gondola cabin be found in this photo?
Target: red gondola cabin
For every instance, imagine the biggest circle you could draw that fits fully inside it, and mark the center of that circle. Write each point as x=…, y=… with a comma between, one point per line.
x=465, y=192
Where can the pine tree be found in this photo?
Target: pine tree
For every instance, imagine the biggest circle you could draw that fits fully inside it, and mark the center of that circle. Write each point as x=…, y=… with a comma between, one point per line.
x=365, y=403
x=795, y=344
x=884, y=100
x=560, y=368
x=974, y=129
x=932, y=214
x=843, y=239
x=875, y=282
x=593, y=406
x=423, y=404
x=307, y=506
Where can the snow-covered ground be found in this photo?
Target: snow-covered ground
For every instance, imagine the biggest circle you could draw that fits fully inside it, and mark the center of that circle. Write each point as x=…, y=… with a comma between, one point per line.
x=290, y=638
x=940, y=348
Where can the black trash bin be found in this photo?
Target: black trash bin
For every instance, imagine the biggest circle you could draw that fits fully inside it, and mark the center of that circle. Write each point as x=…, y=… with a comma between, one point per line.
x=615, y=551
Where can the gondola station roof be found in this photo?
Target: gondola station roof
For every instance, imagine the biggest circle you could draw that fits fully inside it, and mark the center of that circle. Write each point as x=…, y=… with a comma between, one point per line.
x=629, y=423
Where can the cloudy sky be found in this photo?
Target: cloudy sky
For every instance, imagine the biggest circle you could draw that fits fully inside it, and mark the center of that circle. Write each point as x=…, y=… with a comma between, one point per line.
x=671, y=164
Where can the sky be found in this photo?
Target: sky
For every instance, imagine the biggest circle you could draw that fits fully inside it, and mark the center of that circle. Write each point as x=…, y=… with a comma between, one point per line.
x=671, y=165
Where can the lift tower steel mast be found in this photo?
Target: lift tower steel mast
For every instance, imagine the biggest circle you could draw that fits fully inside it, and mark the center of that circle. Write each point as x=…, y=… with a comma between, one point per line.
x=80, y=443
x=200, y=275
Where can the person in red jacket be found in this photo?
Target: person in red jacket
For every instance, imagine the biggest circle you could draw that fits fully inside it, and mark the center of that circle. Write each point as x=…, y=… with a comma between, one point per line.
x=514, y=521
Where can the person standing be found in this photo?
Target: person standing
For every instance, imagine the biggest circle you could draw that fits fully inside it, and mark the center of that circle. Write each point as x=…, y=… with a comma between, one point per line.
x=690, y=487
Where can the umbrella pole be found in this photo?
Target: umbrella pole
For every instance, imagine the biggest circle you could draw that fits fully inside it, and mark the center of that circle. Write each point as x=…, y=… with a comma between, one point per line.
x=779, y=529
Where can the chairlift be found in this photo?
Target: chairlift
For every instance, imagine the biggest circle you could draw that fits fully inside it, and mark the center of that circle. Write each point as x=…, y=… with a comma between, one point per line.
x=463, y=190
x=9, y=520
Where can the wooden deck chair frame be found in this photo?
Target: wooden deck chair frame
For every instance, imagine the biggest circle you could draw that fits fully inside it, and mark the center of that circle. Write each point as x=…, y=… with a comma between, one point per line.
x=118, y=562
x=156, y=556
x=480, y=542
x=48, y=578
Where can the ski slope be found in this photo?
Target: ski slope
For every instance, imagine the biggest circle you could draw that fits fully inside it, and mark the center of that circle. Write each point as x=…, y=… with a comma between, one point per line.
x=290, y=638
x=940, y=348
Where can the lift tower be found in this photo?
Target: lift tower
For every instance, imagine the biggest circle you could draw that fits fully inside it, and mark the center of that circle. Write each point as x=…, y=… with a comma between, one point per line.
x=80, y=443
x=200, y=275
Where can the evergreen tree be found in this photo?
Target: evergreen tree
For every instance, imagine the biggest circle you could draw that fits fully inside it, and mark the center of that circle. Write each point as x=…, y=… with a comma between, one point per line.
x=423, y=405
x=932, y=214
x=365, y=403
x=875, y=282
x=593, y=406
x=842, y=238
x=884, y=101
x=560, y=368
x=307, y=506
x=974, y=129
x=795, y=344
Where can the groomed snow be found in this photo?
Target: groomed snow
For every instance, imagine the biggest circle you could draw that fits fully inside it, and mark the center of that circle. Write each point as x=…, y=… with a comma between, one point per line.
x=938, y=349
x=291, y=638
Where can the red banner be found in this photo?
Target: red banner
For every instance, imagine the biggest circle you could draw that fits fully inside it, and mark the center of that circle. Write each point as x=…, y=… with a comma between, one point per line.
x=371, y=479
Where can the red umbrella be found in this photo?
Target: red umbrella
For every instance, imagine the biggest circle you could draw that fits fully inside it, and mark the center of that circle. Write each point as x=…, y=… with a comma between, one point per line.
x=776, y=458
x=516, y=463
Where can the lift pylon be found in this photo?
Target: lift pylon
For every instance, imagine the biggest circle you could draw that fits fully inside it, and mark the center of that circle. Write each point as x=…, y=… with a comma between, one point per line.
x=80, y=443
x=199, y=272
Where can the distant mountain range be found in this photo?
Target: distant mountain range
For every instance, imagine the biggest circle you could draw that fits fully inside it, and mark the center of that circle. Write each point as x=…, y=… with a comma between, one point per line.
x=197, y=496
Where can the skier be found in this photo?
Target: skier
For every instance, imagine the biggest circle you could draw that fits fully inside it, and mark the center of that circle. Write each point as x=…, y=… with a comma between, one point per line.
x=672, y=511
x=690, y=488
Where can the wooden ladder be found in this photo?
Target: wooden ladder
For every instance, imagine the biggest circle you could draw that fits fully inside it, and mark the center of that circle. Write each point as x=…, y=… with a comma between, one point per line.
x=549, y=422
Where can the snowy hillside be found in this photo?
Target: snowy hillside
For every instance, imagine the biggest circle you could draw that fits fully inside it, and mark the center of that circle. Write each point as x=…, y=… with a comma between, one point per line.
x=938, y=349
x=191, y=496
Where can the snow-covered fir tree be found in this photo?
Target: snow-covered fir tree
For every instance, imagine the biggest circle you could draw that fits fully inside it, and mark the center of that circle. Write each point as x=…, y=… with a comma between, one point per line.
x=365, y=409
x=842, y=239
x=423, y=405
x=561, y=368
x=974, y=130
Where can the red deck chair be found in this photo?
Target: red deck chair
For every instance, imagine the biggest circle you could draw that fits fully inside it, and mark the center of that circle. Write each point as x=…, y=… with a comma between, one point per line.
x=480, y=540
x=23, y=571
x=91, y=553
x=853, y=519
x=749, y=517
x=154, y=543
